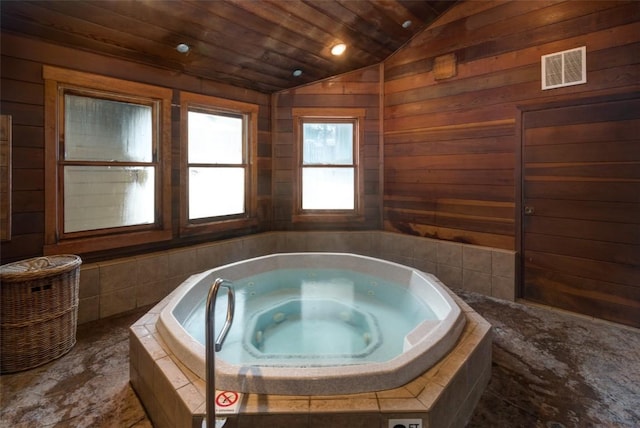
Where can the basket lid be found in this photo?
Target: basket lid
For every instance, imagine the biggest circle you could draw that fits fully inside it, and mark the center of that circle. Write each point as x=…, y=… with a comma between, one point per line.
x=39, y=266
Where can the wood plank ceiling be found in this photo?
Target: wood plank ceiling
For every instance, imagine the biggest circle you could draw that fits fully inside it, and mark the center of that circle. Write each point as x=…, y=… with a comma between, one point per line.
x=253, y=44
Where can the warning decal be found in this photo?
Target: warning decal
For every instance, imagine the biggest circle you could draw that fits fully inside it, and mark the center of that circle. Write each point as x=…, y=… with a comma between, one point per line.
x=227, y=402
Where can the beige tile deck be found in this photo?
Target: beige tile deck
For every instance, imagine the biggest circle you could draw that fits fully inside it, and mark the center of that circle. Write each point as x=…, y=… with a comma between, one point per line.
x=549, y=369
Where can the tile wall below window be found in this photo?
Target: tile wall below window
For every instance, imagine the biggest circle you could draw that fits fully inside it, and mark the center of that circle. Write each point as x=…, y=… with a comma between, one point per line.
x=120, y=285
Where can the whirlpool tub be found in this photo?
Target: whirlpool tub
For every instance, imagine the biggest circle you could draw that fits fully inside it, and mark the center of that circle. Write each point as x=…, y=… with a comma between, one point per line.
x=316, y=324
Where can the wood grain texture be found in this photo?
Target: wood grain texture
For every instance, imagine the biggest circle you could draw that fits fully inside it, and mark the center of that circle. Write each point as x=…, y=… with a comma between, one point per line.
x=253, y=45
x=5, y=177
x=364, y=95
x=581, y=243
x=456, y=139
x=23, y=95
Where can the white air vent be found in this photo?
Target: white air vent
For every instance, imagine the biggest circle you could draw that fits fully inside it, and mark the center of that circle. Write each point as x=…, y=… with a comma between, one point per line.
x=564, y=68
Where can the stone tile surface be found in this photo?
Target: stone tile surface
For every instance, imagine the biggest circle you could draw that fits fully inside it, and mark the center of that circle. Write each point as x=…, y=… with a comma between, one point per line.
x=87, y=387
x=550, y=369
x=553, y=369
x=476, y=259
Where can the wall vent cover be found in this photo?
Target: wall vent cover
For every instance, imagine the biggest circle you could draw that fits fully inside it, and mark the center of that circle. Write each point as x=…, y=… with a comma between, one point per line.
x=564, y=68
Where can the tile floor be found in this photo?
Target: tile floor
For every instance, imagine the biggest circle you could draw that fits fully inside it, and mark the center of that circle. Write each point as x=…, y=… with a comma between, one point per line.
x=550, y=370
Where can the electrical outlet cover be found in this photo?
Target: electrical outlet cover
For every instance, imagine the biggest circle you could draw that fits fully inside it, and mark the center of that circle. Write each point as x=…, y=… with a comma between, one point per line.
x=405, y=423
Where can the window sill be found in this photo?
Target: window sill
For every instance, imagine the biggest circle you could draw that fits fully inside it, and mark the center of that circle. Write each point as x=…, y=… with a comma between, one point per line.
x=218, y=226
x=328, y=218
x=88, y=245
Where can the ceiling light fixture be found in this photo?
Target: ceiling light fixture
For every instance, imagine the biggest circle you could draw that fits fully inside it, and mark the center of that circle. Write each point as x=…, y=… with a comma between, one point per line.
x=338, y=49
x=297, y=73
x=183, y=48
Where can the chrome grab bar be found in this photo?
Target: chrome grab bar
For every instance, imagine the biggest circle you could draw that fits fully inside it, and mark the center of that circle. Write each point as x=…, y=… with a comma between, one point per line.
x=213, y=347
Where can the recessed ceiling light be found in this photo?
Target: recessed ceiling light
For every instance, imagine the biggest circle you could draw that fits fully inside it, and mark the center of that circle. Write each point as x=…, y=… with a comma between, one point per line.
x=338, y=49
x=182, y=48
x=407, y=23
x=297, y=73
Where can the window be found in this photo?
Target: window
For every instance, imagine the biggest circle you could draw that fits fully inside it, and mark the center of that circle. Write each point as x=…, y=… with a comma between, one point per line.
x=328, y=165
x=219, y=182
x=106, y=162
x=329, y=180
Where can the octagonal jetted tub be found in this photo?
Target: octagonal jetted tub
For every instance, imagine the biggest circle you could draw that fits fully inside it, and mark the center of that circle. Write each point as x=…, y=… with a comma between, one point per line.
x=316, y=324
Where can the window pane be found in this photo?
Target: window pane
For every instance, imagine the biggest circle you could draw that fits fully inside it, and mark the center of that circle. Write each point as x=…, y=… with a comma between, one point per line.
x=328, y=189
x=327, y=143
x=214, y=138
x=215, y=192
x=96, y=129
x=103, y=197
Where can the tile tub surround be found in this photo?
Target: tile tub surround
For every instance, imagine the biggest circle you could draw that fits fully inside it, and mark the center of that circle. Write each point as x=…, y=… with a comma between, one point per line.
x=427, y=343
x=443, y=396
x=121, y=285
x=549, y=367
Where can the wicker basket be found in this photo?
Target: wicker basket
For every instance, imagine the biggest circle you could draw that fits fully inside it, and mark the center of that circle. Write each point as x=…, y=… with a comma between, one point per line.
x=38, y=310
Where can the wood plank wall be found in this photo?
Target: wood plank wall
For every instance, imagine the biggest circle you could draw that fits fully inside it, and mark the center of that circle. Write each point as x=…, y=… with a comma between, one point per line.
x=22, y=97
x=359, y=89
x=581, y=187
x=450, y=146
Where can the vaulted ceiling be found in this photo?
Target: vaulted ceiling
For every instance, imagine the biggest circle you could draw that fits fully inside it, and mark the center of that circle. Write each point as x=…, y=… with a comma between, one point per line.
x=254, y=44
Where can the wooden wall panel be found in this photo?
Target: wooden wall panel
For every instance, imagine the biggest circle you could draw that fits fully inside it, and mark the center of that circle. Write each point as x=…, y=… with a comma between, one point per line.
x=449, y=154
x=581, y=187
x=455, y=139
x=5, y=177
x=22, y=97
x=359, y=89
x=27, y=190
